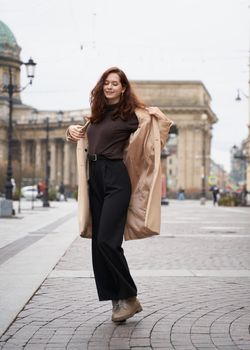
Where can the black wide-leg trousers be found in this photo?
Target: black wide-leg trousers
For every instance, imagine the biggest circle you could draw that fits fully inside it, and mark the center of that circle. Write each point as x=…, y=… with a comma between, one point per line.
x=109, y=193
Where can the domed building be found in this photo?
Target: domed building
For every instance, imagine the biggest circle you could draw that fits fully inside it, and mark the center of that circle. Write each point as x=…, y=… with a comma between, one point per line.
x=29, y=129
x=9, y=57
x=186, y=158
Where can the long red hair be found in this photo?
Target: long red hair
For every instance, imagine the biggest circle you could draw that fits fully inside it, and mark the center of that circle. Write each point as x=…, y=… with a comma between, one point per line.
x=127, y=104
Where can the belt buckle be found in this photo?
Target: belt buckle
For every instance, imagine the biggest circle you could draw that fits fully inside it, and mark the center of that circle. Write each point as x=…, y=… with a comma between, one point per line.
x=94, y=157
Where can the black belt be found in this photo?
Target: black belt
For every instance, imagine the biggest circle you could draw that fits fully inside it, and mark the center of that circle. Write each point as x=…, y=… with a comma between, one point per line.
x=95, y=157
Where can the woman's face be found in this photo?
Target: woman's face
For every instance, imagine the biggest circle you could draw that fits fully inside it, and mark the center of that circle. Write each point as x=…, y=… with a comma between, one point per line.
x=113, y=88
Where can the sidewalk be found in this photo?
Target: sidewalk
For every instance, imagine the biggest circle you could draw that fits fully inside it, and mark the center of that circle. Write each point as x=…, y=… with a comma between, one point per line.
x=31, y=244
x=193, y=282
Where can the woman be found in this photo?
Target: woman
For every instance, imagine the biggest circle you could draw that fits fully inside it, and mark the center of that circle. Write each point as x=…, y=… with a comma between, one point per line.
x=119, y=122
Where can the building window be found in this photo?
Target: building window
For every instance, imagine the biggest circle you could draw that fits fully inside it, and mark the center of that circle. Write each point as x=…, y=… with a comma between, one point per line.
x=5, y=78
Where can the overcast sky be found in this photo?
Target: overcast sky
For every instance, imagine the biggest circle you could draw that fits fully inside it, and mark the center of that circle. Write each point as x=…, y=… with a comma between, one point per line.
x=74, y=41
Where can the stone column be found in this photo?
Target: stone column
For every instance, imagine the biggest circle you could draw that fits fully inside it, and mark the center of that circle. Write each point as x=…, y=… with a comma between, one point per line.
x=208, y=151
x=189, y=158
x=59, y=161
x=181, y=155
x=38, y=160
x=3, y=150
x=198, y=154
x=23, y=153
x=73, y=167
x=164, y=176
x=53, y=162
x=66, y=165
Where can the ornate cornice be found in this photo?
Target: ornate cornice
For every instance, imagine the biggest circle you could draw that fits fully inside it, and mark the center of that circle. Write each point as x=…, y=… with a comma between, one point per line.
x=199, y=109
x=146, y=83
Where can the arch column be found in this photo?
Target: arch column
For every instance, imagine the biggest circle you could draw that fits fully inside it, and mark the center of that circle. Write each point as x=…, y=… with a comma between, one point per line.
x=3, y=150
x=23, y=153
x=59, y=160
x=38, y=154
x=66, y=166
x=53, y=162
x=189, y=157
x=73, y=181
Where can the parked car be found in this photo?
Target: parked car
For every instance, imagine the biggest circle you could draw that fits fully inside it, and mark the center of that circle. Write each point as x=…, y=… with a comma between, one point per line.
x=29, y=192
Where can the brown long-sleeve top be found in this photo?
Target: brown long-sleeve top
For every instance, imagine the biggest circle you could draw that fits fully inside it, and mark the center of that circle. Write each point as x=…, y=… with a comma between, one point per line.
x=109, y=136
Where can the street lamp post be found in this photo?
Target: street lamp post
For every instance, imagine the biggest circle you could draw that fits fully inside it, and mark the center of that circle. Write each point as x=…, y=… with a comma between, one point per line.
x=32, y=121
x=8, y=184
x=10, y=89
x=203, y=176
x=238, y=98
x=46, y=189
x=247, y=155
x=239, y=175
x=19, y=137
x=164, y=155
x=59, y=118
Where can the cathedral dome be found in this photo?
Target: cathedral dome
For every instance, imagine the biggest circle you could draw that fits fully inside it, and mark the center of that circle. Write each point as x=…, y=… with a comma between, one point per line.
x=8, y=43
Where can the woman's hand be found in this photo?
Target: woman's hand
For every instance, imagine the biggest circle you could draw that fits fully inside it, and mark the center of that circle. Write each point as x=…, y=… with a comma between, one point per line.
x=154, y=111
x=76, y=132
x=158, y=114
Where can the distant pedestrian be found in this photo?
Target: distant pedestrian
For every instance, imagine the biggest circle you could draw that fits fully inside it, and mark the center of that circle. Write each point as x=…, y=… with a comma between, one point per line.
x=243, y=195
x=61, y=190
x=216, y=194
x=181, y=194
x=40, y=189
x=13, y=182
x=114, y=170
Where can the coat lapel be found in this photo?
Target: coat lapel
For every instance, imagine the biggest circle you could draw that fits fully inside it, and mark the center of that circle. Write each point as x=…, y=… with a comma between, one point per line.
x=84, y=215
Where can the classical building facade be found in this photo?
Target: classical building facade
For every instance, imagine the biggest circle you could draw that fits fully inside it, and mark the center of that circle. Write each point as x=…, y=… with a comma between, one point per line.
x=187, y=103
x=238, y=158
x=186, y=154
x=218, y=176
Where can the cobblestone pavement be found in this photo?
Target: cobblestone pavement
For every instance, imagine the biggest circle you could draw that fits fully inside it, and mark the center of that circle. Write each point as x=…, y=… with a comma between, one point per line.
x=193, y=282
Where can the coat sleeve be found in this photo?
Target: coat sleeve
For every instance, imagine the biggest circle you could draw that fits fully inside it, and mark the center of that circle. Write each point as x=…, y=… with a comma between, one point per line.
x=164, y=126
x=69, y=137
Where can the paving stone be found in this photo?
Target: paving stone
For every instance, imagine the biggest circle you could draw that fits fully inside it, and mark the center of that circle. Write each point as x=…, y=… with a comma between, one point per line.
x=141, y=348
x=76, y=347
x=140, y=342
x=35, y=346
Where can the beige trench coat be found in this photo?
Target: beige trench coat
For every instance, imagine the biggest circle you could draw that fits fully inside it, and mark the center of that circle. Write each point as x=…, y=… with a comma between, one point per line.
x=142, y=159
